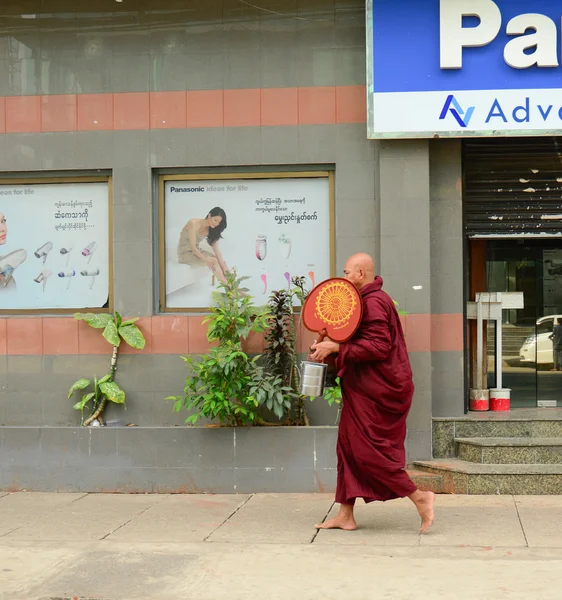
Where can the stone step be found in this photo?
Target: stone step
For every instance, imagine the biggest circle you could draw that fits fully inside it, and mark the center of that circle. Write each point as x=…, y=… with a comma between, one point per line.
x=508, y=450
x=508, y=425
x=462, y=477
x=512, y=340
x=427, y=482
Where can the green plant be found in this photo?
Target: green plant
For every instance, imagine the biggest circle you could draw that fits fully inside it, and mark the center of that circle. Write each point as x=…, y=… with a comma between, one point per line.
x=226, y=384
x=219, y=387
x=333, y=395
x=105, y=389
x=280, y=351
x=234, y=315
x=400, y=312
x=270, y=392
x=300, y=290
x=280, y=339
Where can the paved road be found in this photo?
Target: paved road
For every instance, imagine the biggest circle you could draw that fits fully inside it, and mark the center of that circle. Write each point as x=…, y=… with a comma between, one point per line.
x=149, y=547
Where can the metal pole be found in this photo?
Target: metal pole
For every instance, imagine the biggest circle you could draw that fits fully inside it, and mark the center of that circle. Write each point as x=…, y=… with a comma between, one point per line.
x=499, y=349
x=479, y=344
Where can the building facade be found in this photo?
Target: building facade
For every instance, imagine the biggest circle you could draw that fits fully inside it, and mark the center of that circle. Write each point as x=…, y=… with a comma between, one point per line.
x=126, y=109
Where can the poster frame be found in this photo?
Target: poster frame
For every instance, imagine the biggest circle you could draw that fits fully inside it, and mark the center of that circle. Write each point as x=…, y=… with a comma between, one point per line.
x=162, y=179
x=79, y=179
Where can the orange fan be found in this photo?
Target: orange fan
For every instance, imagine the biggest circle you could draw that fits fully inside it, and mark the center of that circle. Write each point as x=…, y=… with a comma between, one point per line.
x=334, y=309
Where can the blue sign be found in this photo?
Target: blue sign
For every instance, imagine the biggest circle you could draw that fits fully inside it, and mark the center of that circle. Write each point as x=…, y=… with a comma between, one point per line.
x=464, y=67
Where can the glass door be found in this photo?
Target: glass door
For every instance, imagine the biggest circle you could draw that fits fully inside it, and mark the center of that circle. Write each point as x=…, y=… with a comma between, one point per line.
x=511, y=267
x=549, y=375
x=534, y=268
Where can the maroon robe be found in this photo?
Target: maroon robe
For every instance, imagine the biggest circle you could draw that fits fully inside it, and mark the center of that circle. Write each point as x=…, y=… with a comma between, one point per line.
x=377, y=388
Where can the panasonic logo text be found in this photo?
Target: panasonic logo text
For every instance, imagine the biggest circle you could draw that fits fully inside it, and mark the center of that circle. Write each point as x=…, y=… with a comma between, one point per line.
x=187, y=189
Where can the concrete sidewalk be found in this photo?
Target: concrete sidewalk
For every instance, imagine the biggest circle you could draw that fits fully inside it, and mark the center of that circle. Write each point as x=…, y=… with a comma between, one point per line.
x=132, y=547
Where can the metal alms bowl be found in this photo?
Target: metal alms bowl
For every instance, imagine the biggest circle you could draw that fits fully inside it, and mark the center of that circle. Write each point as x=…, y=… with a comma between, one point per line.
x=313, y=378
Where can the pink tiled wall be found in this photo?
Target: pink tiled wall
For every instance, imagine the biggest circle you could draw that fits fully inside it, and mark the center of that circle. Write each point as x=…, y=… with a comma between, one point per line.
x=172, y=110
x=188, y=335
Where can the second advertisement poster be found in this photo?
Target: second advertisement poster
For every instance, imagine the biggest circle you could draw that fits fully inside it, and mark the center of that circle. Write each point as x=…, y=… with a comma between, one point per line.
x=269, y=230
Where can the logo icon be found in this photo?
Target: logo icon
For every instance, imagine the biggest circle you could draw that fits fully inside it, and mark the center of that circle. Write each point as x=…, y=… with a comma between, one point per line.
x=452, y=105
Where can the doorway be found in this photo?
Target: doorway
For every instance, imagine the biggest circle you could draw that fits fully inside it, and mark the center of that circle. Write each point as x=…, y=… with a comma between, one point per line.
x=533, y=267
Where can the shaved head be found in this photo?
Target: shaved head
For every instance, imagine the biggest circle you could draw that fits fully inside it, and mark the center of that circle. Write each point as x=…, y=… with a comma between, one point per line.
x=360, y=270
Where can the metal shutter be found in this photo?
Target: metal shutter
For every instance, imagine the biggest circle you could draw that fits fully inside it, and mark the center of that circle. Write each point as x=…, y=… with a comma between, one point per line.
x=513, y=186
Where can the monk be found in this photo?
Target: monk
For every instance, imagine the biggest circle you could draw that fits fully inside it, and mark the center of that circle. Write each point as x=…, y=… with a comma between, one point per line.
x=377, y=389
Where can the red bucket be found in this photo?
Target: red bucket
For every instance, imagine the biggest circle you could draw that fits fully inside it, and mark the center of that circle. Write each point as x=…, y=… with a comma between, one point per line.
x=500, y=400
x=479, y=400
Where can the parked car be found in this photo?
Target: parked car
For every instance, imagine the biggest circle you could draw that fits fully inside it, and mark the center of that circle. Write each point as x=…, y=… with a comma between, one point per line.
x=537, y=348
x=553, y=268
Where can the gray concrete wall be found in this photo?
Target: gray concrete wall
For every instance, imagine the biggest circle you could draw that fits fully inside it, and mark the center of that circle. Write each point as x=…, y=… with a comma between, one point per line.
x=34, y=390
x=405, y=263
x=421, y=261
x=447, y=270
x=168, y=460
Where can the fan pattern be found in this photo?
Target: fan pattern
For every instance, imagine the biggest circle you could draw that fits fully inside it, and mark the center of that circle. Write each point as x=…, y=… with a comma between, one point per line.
x=335, y=304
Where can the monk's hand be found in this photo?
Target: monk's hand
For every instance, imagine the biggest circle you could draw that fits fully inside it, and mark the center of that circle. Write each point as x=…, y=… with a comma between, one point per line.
x=323, y=349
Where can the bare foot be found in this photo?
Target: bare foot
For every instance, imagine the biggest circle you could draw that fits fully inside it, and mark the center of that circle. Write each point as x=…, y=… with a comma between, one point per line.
x=339, y=522
x=424, y=504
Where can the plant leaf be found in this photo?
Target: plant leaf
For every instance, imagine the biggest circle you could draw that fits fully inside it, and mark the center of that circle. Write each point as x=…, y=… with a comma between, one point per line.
x=85, y=399
x=129, y=322
x=97, y=321
x=81, y=384
x=132, y=336
x=110, y=333
x=113, y=392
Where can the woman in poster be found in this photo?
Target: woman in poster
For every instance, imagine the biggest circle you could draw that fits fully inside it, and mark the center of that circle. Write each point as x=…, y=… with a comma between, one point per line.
x=197, y=230
x=10, y=262
x=3, y=229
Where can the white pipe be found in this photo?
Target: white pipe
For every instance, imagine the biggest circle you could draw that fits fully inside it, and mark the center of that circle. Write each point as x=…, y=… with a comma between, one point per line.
x=479, y=345
x=499, y=350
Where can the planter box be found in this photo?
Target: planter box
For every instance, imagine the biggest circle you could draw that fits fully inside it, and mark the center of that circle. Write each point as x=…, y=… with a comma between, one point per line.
x=168, y=459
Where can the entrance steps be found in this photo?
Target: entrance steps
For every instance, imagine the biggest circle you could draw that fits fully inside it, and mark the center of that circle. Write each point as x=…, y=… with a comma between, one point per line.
x=461, y=477
x=497, y=454
x=427, y=481
x=512, y=339
x=510, y=451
